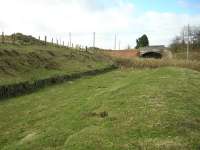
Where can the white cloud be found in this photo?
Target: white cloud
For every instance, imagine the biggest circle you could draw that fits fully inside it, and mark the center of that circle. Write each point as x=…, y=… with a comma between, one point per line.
x=55, y=18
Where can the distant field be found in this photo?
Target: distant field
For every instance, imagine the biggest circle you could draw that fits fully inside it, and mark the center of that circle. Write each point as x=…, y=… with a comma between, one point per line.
x=125, y=109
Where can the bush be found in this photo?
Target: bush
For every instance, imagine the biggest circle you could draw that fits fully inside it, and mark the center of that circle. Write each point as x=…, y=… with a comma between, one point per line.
x=143, y=41
x=155, y=63
x=25, y=40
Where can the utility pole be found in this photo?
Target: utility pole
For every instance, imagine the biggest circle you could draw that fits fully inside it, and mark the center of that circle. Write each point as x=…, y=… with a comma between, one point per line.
x=188, y=44
x=13, y=38
x=70, y=39
x=183, y=39
x=3, y=37
x=45, y=40
x=52, y=41
x=115, y=42
x=119, y=44
x=94, y=39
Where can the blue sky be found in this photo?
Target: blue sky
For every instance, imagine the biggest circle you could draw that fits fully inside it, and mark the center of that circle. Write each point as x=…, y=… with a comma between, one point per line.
x=161, y=20
x=175, y=6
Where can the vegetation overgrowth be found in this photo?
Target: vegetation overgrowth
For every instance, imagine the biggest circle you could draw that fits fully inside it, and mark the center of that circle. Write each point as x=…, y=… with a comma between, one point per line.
x=156, y=63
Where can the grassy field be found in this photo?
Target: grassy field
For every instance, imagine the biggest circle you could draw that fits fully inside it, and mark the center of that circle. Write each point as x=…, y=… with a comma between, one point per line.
x=121, y=110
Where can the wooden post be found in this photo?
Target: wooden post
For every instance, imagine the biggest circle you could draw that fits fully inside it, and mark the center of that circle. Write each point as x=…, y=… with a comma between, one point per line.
x=13, y=38
x=3, y=38
x=57, y=42
x=86, y=49
x=52, y=41
x=45, y=40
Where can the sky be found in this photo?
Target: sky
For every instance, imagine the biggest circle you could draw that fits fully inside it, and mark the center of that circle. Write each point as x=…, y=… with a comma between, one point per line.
x=161, y=20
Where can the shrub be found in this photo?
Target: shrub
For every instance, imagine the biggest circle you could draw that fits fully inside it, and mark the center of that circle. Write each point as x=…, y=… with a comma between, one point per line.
x=155, y=63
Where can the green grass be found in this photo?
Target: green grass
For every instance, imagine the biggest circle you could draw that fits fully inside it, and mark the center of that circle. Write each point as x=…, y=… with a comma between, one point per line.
x=20, y=63
x=147, y=109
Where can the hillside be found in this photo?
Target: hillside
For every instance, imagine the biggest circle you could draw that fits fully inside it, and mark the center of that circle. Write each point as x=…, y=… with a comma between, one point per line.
x=125, y=109
x=28, y=59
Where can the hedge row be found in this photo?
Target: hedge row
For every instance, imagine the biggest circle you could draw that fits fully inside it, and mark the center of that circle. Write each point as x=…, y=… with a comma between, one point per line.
x=7, y=91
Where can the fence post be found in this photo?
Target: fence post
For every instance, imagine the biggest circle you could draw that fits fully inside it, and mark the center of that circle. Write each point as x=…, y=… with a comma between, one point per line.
x=52, y=41
x=45, y=40
x=13, y=38
x=86, y=49
x=3, y=38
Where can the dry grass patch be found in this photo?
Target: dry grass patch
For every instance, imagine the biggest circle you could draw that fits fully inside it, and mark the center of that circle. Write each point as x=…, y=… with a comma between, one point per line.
x=156, y=63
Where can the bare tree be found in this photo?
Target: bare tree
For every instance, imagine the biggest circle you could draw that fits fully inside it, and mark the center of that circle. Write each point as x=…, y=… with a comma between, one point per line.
x=191, y=36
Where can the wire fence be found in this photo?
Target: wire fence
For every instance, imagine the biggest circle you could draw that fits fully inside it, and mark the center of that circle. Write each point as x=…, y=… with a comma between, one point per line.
x=76, y=40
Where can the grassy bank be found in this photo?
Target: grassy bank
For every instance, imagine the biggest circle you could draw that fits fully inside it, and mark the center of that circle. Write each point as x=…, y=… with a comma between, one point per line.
x=124, y=109
x=19, y=63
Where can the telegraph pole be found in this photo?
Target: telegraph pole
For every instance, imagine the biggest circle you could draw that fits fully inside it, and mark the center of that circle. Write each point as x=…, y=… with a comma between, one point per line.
x=45, y=40
x=3, y=37
x=188, y=44
x=52, y=41
x=115, y=45
x=70, y=39
x=94, y=39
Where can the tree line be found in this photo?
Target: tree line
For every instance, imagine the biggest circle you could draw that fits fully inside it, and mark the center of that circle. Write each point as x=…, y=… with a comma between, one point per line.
x=191, y=35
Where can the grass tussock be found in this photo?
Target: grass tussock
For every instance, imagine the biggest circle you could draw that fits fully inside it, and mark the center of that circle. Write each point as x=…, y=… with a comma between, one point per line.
x=156, y=63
